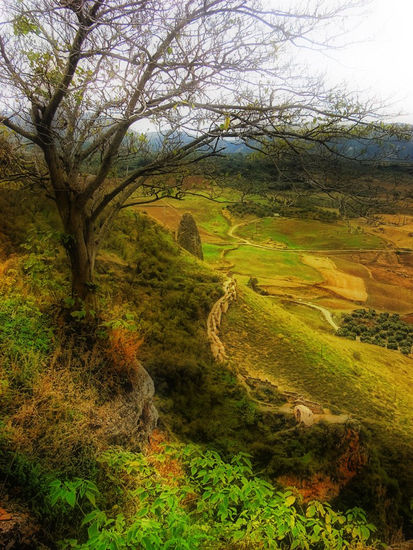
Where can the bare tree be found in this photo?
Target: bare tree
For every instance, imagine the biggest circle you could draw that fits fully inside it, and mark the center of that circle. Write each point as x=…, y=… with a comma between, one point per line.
x=81, y=78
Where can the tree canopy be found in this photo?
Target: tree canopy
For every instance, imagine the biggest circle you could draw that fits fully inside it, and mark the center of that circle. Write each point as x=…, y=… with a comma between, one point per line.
x=81, y=80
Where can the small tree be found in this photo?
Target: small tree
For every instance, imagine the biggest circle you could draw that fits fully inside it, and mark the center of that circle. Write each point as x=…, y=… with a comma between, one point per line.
x=79, y=76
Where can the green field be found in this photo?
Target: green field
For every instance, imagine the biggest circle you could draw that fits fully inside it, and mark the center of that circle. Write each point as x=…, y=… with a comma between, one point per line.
x=308, y=234
x=263, y=263
x=207, y=213
x=212, y=252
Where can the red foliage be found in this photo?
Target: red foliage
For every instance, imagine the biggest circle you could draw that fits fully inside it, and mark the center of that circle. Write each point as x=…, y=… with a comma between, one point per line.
x=122, y=351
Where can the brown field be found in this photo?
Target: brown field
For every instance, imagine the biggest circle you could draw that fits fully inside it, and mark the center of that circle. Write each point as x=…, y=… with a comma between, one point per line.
x=397, y=229
x=343, y=284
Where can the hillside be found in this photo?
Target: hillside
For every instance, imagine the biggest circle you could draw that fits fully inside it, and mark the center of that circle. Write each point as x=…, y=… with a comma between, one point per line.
x=77, y=405
x=278, y=345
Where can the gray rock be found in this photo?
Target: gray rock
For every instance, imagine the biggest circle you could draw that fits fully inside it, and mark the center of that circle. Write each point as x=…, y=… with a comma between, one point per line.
x=129, y=418
x=188, y=236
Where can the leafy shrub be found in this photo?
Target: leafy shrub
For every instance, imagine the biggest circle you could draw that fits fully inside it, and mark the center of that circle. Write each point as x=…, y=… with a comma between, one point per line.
x=188, y=499
x=23, y=327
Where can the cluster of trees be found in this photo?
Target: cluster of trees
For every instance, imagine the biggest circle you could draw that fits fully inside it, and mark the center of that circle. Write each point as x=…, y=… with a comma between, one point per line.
x=381, y=329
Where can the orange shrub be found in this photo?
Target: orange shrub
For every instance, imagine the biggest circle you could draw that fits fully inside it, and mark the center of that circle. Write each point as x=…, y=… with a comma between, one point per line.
x=122, y=352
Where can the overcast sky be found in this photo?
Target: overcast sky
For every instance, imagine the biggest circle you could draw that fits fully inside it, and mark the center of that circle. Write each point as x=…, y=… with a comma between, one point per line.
x=380, y=60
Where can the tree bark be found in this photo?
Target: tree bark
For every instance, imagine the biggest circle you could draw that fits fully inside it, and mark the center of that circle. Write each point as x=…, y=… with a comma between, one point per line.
x=81, y=247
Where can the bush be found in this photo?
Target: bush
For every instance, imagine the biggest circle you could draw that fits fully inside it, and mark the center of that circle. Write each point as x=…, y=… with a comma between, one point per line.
x=183, y=498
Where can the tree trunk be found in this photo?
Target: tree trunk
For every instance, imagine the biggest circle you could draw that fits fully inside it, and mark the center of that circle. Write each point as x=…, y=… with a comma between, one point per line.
x=81, y=247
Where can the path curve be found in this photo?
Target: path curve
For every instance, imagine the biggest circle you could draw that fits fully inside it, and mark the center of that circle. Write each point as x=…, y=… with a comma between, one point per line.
x=326, y=313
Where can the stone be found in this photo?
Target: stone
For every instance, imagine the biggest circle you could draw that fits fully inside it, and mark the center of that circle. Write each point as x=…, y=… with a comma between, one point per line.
x=304, y=415
x=129, y=417
x=188, y=236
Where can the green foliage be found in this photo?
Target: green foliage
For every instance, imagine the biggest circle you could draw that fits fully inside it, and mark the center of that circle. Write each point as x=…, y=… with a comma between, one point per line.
x=42, y=249
x=251, y=209
x=26, y=338
x=23, y=327
x=73, y=492
x=214, y=503
x=22, y=26
x=384, y=329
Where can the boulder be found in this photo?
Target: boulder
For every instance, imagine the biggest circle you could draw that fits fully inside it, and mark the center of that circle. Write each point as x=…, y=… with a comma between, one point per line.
x=129, y=417
x=304, y=415
x=188, y=236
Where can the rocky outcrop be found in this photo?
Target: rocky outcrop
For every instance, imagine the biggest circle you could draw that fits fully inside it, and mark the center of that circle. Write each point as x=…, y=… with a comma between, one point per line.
x=188, y=237
x=215, y=316
x=304, y=415
x=130, y=416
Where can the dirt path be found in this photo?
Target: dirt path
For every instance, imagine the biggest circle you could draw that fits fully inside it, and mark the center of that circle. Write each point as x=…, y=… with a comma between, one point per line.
x=326, y=313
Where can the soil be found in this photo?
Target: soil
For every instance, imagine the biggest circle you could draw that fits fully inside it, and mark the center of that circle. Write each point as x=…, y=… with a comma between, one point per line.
x=340, y=283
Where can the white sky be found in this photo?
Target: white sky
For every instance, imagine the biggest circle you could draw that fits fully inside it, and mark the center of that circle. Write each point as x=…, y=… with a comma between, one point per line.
x=379, y=62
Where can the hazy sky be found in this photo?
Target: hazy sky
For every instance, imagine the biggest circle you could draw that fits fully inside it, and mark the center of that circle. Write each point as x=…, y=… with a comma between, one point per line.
x=380, y=61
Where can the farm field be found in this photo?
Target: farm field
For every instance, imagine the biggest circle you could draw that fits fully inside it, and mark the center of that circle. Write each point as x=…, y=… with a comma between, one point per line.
x=310, y=234
x=339, y=266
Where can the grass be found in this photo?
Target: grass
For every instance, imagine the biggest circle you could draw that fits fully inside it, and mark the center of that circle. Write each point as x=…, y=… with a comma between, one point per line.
x=376, y=388
x=212, y=252
x=309, y=316
x=162, y=295
x=371, y=384
x=308, y=234
x=270, y=264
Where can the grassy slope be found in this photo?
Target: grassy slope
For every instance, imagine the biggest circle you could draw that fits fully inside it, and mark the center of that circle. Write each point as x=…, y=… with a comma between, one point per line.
x=167, y=294
x=372, y=384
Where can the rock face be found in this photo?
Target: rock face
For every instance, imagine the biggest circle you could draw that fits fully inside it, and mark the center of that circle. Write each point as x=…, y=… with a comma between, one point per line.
x=304, y=415
x=129, y=417
x=188, y=236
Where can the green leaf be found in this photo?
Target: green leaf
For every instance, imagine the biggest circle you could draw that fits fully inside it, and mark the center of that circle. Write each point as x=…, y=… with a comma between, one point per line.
x=310, y=512
x=71, y=498
x=289, y=501
x=91, y=497
x=22, y=26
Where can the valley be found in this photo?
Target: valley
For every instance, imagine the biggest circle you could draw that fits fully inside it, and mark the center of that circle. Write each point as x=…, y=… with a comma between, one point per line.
x=335, y=265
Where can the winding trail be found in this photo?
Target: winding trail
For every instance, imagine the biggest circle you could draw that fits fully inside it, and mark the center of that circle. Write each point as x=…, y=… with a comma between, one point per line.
x=242, y=241
x=218, y=350
x=282, y=248
x=326, y=313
